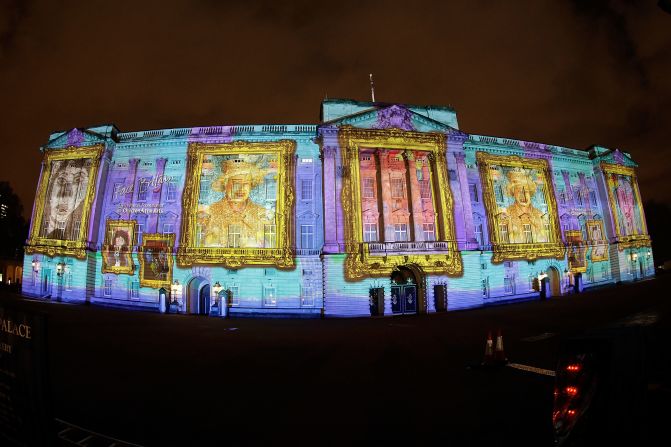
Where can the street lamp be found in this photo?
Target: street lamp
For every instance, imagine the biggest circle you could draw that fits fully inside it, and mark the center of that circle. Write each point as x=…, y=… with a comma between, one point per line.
x=216, y=288
x=174, y=289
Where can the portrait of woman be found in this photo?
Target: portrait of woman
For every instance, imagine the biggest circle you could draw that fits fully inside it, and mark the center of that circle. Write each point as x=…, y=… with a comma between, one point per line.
x=117, y=257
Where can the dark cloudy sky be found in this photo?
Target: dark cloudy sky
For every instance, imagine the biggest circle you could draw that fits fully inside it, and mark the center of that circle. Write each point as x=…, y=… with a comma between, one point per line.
x=571, y=73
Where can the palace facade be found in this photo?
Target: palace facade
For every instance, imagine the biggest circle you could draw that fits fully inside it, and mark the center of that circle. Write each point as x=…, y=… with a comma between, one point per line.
x=381, y=209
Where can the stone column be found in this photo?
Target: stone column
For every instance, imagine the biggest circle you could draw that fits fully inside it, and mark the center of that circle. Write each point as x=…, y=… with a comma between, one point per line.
x=385, y=185
x=130, y=196
x=468, y=229
x=156, y=194
x=330, y=199
x=414, y=196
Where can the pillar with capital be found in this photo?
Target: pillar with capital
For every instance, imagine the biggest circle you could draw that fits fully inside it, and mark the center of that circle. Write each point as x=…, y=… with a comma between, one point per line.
x=414, y=196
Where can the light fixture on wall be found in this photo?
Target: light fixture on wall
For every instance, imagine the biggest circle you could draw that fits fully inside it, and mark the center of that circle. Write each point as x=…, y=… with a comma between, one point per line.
x=36, y=265
x=60, y=268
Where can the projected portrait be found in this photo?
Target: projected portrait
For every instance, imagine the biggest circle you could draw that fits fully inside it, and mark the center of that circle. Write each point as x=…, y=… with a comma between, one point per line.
x=596, y=237
x=63, y=201
x=117, y=249
x=239, y=204
x=237, y=209
x=576, y=254
x=625, y=204
x=521, y=207
x=155, y=255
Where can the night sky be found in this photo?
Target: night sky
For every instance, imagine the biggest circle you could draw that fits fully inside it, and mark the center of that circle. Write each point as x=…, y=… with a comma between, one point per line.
x=571, y=73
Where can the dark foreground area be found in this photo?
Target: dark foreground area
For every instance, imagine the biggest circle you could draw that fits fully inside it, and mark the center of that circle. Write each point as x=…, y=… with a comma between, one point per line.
x=160, y=380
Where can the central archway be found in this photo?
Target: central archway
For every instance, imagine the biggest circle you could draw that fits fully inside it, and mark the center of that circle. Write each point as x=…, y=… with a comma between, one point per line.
x=555, y=281
x=407, y=290
x=198, y=296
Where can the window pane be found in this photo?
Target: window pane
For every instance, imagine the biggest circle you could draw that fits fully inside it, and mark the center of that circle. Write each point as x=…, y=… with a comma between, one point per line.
x=397, y=188
x=306, y=189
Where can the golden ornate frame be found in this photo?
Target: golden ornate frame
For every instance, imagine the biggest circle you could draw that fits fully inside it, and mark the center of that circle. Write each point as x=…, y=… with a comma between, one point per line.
x=579, y=247
x=281, y=257
x=589, y=224
x=624, y=241
x=53, y=247
x=512, y=251
x=359, y=261
x=170, y=240
x=111, y=225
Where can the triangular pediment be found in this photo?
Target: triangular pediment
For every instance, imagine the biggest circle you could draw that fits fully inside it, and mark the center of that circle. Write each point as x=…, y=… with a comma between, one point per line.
x=612, y=156
x=394, y=116
x=75, y=137
x=308, y=216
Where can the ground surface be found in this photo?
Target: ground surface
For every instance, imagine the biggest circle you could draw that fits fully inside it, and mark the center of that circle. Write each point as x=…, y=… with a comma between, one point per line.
x=188, y=380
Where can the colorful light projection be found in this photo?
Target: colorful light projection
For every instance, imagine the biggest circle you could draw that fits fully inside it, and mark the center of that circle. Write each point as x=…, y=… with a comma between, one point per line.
x=63, y=203
x=596, y=238
x=155, y=256
x=521, y=208
x=625, y=203
x=239, y=205
x=396, y=210
x=117, y=249
x=577, y=254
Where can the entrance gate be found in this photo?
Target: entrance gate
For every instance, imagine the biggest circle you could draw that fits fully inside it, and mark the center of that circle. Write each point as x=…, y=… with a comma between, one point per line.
x=403, y=292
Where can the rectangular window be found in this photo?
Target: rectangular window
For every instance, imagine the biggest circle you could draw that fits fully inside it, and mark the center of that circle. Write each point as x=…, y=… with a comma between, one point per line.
x=143, y=189
x=234, y=236
x=271, y=190
x=592, y=198
x=424, y=189
x=368, y=188
x=139, y=229
x=578, y=196
x=306, y=189
x=473, y=189
x=397, y=188
x=503, y=228
x=199, y=235
x=168, y=228
x=528, y=238
x=370, y=232
x=172, y=192
x=205, y=181
x=135, y=289
x=485, y=288
x=107, y=287
x=562, y=197
x=307, y=294
x=75, y=230
x=307, y=236
x=508, y=285
x=429, y=232
x=116, y=194
x=269, y=296
x=478, y=234
x=234, y=296
x=498, y=192
x=400, y=232
x=269, y=236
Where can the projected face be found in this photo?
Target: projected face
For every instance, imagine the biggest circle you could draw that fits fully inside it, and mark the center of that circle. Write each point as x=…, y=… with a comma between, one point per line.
x=66, y=192
x=237, y=200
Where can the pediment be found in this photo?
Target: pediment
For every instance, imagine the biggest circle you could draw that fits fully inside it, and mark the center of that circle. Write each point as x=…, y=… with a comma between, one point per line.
x=393, y=116
x=308, y=215
x=74, y=138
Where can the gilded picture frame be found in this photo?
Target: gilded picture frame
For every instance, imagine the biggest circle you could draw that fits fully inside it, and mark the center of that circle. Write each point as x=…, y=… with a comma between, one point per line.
x=53, y=246
x=153, y=266
x=576, y=251
x=599, y=251
x=502, y=250
x=625, y=241
x=117, y=250
x=282, y=256
x=360, y=262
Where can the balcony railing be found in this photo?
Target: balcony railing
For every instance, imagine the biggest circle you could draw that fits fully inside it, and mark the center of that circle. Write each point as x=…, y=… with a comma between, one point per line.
x=401, y=247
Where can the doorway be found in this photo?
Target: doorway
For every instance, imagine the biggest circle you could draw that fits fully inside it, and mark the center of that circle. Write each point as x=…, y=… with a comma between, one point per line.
x=555, y=281
x=198, y=296
x=403, y=291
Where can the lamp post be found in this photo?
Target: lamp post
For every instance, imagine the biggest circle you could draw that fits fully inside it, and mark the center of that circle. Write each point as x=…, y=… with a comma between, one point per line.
x=218, y=301
x=60, y=270
x=174, y=290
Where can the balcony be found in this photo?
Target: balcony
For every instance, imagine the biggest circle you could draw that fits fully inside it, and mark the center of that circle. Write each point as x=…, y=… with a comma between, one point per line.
x=407, y=247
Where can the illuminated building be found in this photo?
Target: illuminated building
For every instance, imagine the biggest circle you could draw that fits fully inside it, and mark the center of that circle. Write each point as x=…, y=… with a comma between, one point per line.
x=381, y=208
